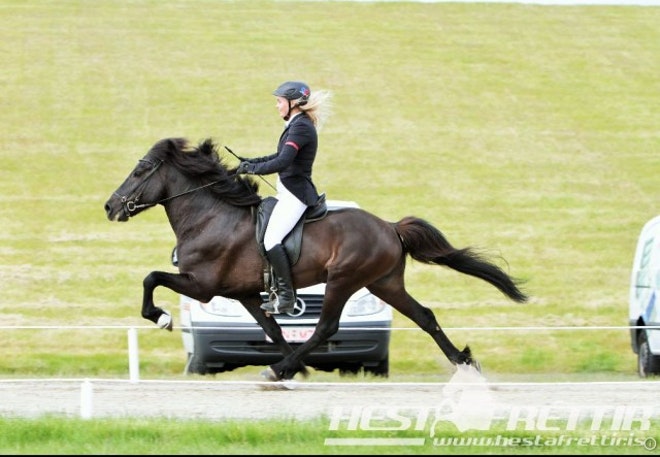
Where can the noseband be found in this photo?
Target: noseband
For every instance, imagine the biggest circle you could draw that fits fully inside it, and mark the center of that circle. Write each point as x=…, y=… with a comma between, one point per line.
x=131, y=204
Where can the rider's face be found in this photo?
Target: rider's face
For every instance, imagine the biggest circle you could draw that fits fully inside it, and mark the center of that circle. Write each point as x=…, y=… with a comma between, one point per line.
x=282, y=106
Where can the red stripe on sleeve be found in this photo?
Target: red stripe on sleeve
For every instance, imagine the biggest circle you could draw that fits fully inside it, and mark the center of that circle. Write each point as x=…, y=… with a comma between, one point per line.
x=295, y=146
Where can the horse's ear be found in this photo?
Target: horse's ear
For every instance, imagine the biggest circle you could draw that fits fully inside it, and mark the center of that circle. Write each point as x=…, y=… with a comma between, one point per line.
x=207, y=148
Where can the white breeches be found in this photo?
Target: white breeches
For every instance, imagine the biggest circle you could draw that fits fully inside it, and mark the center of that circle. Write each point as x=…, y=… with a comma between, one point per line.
x=286, y=214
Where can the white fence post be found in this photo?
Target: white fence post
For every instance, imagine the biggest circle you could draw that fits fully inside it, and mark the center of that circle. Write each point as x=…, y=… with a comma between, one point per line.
x=133, y=357
x=86, y=400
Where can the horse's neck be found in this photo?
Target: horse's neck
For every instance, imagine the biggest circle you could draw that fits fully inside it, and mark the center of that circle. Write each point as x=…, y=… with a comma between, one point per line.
x=194, y=215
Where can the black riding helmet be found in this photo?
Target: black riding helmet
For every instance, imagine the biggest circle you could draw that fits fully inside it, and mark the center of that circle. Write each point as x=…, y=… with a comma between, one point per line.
x=293, y=91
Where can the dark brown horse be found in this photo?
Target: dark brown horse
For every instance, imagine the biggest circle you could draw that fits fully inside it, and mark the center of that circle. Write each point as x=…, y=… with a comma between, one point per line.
x=211, y=210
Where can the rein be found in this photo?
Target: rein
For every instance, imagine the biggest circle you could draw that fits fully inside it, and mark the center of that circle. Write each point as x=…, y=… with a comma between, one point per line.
x=131, y=205
x=189, y=191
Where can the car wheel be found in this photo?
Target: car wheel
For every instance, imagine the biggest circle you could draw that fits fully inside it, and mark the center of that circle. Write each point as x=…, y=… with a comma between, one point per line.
x=194, y=366
x=382, y=369
x=647, y=363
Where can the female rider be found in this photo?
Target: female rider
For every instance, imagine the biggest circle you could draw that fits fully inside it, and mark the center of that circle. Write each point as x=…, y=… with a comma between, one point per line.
x=293, y=161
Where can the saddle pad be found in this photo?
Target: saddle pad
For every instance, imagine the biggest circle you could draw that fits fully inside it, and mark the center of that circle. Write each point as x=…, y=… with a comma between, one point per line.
x=292, y=242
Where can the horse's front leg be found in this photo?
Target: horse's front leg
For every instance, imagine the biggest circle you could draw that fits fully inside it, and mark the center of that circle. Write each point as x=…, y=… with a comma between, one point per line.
x=328, y=325
x=271, y=327
x=177, y=282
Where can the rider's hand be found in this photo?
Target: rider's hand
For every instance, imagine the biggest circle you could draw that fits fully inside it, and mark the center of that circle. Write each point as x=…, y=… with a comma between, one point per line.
x=244, y=167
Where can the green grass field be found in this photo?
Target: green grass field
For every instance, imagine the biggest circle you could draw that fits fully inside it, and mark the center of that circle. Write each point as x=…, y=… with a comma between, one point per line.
x=171, y=437
x=527, y=131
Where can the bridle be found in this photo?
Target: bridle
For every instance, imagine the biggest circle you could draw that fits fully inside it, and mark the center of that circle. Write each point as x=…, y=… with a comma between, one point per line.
x=131, y=205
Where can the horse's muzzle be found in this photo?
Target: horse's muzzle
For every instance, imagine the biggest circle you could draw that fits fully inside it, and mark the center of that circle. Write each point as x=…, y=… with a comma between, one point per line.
x=115, y=212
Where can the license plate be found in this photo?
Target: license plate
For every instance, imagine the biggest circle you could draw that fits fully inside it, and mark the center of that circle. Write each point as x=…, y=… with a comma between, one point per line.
x=295, y=334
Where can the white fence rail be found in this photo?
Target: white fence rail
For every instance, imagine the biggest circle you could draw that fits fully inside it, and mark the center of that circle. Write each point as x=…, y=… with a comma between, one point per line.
x=133, y=345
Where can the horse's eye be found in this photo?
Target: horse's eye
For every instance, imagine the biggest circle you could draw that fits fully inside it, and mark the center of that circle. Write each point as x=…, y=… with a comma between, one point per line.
x=141, y=168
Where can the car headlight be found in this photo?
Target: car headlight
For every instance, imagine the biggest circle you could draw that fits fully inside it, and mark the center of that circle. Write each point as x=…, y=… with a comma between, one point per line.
x=222, y=306
x=364, y=305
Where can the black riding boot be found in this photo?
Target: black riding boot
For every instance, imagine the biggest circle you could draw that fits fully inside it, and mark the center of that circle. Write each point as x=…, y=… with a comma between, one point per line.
x=285, y=299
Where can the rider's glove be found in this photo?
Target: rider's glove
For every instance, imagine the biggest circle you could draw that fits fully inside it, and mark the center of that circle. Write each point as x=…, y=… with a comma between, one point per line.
x=244, y=167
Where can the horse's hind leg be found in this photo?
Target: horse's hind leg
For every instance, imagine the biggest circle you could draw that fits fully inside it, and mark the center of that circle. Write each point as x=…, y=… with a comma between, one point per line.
x=401, y=300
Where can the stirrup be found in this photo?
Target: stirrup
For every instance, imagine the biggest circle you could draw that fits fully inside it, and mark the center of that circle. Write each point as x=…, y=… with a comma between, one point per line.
x=273, y=305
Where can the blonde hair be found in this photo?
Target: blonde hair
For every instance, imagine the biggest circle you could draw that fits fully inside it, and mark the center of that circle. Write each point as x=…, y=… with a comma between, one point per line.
x=318, y=107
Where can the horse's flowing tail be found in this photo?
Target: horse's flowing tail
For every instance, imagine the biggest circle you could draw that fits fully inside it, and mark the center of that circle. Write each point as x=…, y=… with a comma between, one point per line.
x=427, y=244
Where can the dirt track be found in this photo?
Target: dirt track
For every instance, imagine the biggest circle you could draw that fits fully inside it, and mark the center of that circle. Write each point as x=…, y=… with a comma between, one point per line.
x=218, y=400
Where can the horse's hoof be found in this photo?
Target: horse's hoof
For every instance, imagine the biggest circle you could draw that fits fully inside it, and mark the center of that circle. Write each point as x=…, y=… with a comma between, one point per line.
x=270, y=375
x=288, y=384
x=165, y=321
x=280, y=385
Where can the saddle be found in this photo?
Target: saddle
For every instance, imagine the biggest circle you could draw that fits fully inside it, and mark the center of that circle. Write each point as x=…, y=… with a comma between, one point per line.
x=293, y=241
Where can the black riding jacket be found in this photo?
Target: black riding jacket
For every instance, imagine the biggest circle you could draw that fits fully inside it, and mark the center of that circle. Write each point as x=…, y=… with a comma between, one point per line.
x=294, y=159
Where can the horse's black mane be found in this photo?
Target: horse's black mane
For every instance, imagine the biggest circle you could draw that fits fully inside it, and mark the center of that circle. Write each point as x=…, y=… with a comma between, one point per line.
x=203, y=165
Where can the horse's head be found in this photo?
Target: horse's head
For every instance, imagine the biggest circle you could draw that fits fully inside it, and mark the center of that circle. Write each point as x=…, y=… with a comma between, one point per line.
x=171, y=169
x=144, y=187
